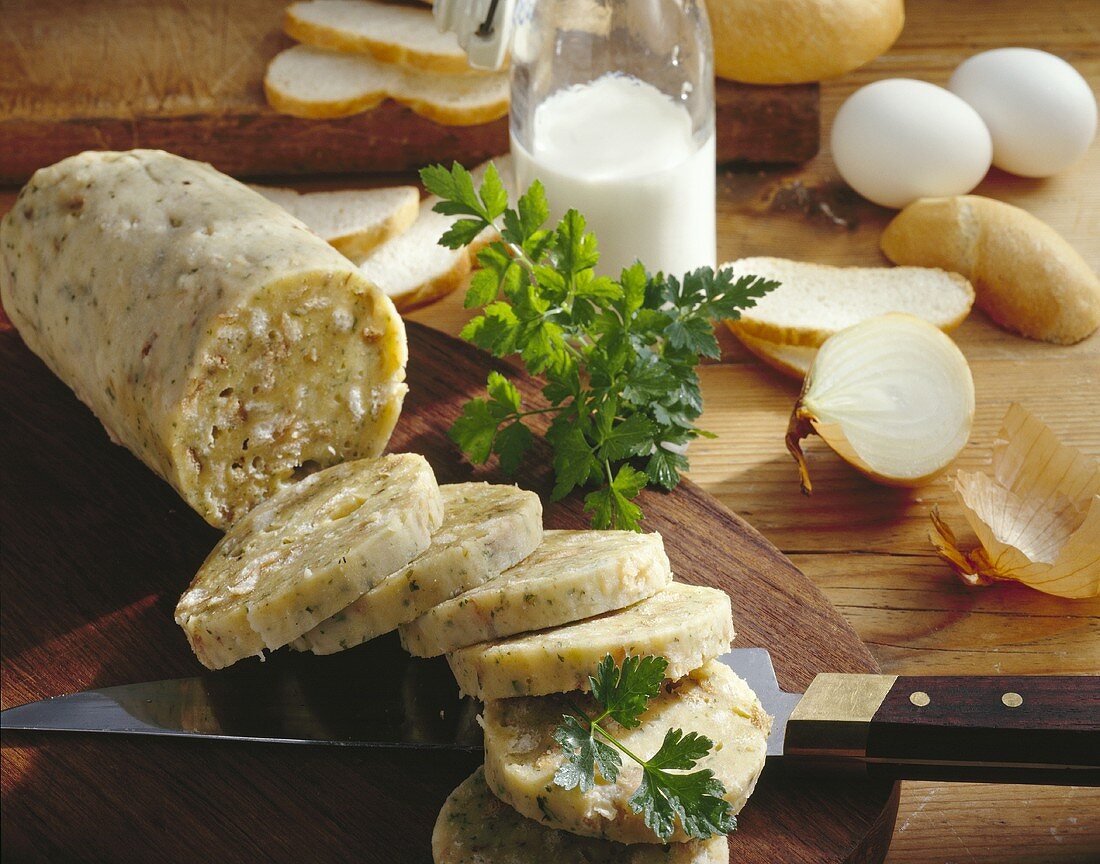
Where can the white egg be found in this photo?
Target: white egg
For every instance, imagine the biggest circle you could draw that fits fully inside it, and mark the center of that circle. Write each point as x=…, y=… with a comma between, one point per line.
x=898, y=139
x=1040, y=112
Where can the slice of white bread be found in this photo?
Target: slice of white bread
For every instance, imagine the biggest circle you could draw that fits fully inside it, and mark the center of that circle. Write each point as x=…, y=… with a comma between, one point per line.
x=414, y=269
x=393, y=34
x=814, y=301
x=792, y=360
x=311, y=82
x=353, y=221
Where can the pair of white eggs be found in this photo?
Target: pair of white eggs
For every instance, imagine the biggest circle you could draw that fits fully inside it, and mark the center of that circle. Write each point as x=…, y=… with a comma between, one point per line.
x=1026, y=111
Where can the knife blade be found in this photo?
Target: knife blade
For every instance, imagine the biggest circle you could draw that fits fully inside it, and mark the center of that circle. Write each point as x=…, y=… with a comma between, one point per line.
x=1041, y=729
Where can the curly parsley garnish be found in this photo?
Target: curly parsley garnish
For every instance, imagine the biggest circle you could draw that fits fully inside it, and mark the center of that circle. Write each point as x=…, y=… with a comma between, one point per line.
x=618, y=357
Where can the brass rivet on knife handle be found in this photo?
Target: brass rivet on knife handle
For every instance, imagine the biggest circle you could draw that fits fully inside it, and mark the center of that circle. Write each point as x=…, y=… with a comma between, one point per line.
x=834, y=716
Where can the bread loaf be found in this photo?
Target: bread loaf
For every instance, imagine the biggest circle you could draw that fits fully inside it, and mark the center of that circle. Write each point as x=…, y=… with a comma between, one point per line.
x=216, y=337
x=794, y=41
x=1028, y=278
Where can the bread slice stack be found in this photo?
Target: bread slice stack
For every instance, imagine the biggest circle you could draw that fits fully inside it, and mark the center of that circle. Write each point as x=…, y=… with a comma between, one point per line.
x=523, y=614
x=355, y=222
x=413, y=269
x=392, y=235
x=355, y=54
x=814, y=301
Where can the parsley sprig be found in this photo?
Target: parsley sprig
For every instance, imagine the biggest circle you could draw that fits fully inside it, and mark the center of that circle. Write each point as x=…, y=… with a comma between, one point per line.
x=618, y=357
x=697, y=799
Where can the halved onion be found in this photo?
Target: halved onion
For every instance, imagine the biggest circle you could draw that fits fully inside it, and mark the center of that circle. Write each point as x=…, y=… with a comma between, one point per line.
x=1037, y=519
x=892, y=395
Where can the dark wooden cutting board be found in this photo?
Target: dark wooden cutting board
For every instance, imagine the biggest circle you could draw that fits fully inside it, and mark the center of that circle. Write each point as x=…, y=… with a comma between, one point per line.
x=186, y=77
x=96, y=551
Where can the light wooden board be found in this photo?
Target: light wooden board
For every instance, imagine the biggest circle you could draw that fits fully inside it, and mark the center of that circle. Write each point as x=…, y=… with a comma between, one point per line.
x=866, y=547
x=186, y=77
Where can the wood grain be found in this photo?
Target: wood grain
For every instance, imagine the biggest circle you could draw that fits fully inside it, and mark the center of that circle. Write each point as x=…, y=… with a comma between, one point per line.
x=186, y=77
x=97, y=550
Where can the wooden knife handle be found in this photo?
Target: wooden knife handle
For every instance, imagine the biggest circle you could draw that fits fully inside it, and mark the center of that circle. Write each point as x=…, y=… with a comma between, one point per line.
x=1027, y=729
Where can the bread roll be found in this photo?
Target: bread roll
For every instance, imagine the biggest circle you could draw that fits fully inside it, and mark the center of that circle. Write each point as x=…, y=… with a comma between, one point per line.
x=216, y=337
x=1028, y=278
x=794, y=41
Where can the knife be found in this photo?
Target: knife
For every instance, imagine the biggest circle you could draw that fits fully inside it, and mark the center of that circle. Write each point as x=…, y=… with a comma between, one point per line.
x=1030, y=729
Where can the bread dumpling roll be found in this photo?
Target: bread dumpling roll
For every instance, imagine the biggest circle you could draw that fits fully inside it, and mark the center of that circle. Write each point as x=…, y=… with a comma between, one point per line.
x=215, y=336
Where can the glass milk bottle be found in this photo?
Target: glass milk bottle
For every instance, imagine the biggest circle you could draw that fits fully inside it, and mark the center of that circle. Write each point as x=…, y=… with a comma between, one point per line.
x=613, y=110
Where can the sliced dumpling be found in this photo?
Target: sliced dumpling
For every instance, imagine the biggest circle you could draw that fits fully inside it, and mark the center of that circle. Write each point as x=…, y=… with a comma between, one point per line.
x=686, y=624
x=306, y=553
x=476, y=827
x=222, y=342
x=486, y=529
x=570, y=576
x=521, y=755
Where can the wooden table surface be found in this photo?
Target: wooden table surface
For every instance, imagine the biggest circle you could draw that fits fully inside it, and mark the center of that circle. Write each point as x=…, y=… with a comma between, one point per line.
x=867, y=546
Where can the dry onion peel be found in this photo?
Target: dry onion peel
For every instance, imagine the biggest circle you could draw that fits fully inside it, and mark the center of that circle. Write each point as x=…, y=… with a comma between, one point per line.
x=893, y=396
x=1037, y=519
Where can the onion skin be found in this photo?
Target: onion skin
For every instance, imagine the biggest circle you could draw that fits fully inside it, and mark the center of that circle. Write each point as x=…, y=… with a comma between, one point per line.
x=798, y=427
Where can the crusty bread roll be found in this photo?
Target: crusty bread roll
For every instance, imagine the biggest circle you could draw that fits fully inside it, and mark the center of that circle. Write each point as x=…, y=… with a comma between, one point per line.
x=1028, y=278
x=794, y=41
x=212, y=333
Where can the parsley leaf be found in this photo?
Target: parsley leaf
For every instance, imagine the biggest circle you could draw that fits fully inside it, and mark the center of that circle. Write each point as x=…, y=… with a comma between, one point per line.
x=665, y=795
x=625, y=691
x=618, y=357
x=584, y=752
x=613, y=506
